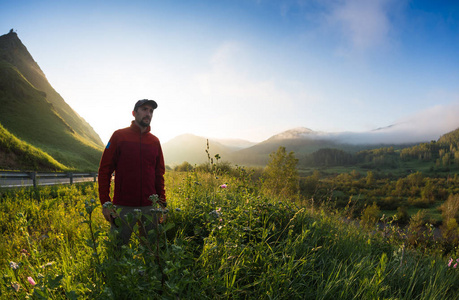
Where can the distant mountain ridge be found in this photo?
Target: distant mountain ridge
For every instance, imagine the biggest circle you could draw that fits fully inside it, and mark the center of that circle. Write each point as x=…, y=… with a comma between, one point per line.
x=37, y=115
x=300, y=140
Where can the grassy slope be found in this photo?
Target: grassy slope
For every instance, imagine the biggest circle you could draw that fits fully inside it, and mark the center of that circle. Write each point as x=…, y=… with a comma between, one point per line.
x=40, y=118
x=17, y=154
x=13, y=51
x=28, y=115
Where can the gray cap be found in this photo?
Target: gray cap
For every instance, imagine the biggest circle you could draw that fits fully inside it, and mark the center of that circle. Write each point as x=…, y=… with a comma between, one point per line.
x=146, y=101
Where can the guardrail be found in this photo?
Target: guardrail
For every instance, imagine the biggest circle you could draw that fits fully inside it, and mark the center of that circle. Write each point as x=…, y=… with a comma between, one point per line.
x=19, y=179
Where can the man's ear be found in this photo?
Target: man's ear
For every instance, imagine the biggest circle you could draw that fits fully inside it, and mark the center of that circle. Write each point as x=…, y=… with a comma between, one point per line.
x=133, y=113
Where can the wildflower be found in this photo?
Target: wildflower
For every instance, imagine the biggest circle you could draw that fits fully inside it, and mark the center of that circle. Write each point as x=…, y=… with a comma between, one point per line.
x=107, y=204
x=154, y=197
x=450, y=262
x=14, y=265
x=219, y=209
x=31, y=281
x=221, y=220
x=455, y=266
x=215, y=214
x=47, y=264
x=223, y=186
x=15, y=286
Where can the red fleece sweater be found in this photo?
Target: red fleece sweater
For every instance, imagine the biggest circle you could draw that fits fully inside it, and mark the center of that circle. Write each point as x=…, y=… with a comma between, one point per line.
x=137, y=159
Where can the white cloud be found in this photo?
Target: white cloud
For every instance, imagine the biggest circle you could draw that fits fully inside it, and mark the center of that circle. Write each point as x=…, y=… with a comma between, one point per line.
x=362, y=24
x=426, y=125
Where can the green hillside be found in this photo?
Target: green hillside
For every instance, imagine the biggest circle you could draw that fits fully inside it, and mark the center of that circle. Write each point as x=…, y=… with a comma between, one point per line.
x=17, y=154
x=450, y=138
x=35, y=113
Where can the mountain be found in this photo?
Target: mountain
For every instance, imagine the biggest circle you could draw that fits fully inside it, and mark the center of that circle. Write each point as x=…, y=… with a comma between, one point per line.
x=450, y=138
x=301, y=140
x=234, y=144
x=192, y=148
x=34, y=113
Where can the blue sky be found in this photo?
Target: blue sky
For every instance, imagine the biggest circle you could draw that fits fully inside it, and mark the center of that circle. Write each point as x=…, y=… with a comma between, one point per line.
x=249, y=69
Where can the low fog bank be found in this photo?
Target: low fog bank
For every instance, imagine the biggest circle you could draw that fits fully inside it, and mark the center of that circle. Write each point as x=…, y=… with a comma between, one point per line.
x=425, y=126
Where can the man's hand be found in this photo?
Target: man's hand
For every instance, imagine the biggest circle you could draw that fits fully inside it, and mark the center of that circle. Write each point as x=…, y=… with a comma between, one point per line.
x=162, y=202
x=108, y=212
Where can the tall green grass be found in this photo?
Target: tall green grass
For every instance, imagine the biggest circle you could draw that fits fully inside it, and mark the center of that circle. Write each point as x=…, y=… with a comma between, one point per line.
x=221, y=240
x=25, y=156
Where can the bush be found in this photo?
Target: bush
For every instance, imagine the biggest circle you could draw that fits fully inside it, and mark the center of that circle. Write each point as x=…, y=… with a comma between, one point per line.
x=370, y=216
x=402, y=215
x=184, y=167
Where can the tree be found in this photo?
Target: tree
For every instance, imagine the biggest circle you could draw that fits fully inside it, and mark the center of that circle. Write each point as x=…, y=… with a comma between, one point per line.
x=450, y=208
x=370, y=178
x=370, y=216
x=280, y=177
x=184, y=167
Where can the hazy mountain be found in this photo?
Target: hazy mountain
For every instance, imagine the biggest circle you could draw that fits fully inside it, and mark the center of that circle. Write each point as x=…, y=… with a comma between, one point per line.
x=450, y=138
x=235, y=144
x=300, y=140
x=192, y=148
x=37, y=115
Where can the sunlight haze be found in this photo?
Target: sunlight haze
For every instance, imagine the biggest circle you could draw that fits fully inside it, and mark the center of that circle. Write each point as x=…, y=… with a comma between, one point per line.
x=249, y=69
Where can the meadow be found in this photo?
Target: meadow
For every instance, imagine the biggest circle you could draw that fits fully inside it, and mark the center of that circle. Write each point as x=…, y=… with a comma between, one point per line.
x=222, y=238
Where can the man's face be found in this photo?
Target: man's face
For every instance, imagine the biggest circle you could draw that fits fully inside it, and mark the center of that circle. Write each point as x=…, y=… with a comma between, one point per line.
x=143, y=115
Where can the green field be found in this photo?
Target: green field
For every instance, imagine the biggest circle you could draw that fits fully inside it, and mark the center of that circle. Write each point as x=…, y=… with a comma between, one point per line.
x=218, y=242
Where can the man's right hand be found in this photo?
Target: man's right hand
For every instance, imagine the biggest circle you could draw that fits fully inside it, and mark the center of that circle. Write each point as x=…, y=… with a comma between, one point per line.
x=108, y=212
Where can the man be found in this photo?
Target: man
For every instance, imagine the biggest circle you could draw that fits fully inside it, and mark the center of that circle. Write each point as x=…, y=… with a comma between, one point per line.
x=136, y=157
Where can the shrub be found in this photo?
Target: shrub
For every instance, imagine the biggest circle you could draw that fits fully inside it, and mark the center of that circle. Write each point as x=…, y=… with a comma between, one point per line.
x=280, y=177
x=184, y=167
x=370, y=216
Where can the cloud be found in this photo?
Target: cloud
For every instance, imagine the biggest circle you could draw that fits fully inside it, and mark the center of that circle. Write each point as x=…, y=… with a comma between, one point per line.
x=362, y=24
x=236, y=99
x=424, y=126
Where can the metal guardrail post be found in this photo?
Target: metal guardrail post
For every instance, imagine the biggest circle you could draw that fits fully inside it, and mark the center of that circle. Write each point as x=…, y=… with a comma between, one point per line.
x=71, y=177
x=95, y=176
x=33, y=175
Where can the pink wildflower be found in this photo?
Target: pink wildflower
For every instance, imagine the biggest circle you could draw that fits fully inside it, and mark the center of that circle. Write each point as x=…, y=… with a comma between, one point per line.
x=223, y=186
x=455, y=266
x=31, y=281
x=450, y=262
x=221, y=220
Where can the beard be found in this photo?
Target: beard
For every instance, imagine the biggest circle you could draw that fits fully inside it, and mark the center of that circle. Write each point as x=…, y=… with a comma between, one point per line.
x=145, y=122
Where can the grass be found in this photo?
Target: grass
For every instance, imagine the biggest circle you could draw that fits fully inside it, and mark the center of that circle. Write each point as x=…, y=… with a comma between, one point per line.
x=29, y=115
x=218, y=243
x=25, y=156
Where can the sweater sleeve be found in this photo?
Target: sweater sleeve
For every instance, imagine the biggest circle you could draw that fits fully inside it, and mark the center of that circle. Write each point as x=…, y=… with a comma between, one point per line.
x=106, y=168
x=160, y=170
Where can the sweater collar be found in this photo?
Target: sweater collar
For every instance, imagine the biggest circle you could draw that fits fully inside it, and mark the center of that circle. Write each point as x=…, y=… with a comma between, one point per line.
x=137, y=128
